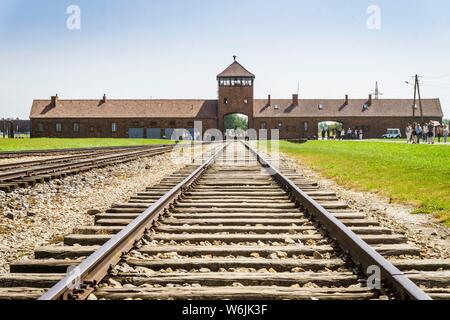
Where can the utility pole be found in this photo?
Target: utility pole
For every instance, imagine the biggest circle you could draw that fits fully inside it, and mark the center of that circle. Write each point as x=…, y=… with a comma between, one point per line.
x=420, y=98
x=377, y=92
x=417, y=94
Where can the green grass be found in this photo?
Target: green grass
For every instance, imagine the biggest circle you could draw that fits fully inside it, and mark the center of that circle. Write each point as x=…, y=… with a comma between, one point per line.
x=46, y=144
x=417, y=175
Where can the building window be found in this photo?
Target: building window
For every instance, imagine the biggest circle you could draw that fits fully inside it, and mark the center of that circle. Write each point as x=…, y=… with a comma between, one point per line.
x=40, y=127
x=58, y=127
x=172, y=123
x=190, y=124
x=114, y=127
x=153, y=124
x=287, y=128
x=225, y=101
x=225, y=82
x=264, y=125
x=246, y=101
x=280, y=125
x=305, y=126
x=76, y=127
x=236, y=82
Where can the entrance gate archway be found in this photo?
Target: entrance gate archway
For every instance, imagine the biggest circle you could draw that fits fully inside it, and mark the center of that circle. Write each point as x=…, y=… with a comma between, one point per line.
x=330, y=130
x=236, y=126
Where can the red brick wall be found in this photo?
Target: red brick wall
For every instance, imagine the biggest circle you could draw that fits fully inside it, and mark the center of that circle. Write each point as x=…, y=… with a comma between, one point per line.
x=102, y=128
x=236, y=104
x=293, y=128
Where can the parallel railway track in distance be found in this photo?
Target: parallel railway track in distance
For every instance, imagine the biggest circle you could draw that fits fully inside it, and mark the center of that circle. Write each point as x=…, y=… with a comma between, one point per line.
x=68, y=151
x=29, y=173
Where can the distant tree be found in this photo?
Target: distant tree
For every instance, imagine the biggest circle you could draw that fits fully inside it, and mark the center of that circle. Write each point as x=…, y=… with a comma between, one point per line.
x=446, y=121
x=236, y=121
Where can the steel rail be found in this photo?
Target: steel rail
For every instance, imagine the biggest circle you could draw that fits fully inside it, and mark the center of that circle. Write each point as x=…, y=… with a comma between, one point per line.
x=16, y=174
x=91, y=271
x=66, y=158
x=24, y=153
x=360, y=252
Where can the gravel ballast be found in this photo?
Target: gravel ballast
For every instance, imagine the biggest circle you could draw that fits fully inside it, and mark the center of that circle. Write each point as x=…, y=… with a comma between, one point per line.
x=43, y=214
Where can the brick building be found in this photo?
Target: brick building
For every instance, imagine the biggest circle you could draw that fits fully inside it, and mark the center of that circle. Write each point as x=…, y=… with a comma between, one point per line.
x=296, y=118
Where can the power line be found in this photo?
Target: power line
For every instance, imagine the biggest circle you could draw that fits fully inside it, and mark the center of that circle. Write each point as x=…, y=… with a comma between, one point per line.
x=438, y=77
x=441, y=84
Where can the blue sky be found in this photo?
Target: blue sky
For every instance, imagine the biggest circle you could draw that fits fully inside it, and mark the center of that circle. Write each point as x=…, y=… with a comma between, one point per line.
x=175, y=48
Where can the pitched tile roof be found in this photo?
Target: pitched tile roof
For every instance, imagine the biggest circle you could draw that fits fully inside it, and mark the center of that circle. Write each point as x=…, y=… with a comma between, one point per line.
x=235, y=70
x=335, y=108
x=200, y=109
x=207, y=109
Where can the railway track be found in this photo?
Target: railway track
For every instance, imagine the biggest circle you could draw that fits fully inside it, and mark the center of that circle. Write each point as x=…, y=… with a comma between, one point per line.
x=55, y=152
x=26, y=173
x=230, y=228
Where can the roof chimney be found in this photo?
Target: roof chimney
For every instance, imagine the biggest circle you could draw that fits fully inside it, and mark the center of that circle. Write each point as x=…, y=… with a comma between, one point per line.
x=295, y=99
x=370, y=99
x=234, y=57
x=55, y=100
x=104, y=98
x=269, y=100
x=346, y=99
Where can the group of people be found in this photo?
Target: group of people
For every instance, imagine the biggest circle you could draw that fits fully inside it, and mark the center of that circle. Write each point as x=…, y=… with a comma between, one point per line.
x=427, y=132
x=341, y=134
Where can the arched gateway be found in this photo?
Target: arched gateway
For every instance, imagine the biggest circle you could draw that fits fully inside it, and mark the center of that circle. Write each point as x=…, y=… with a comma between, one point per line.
x=235, y=126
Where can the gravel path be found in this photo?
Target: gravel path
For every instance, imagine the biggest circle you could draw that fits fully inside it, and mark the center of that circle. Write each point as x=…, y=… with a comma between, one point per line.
x=45, y=213
x=422, y=230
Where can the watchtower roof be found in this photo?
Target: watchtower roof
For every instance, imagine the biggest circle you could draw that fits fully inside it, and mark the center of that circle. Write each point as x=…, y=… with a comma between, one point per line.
x=235, y=70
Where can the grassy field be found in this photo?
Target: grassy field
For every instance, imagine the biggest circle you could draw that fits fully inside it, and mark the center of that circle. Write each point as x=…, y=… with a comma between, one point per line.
x=46, y=144
x=418, y=175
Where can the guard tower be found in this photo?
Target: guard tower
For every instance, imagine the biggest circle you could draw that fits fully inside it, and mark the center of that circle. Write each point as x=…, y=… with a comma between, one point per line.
x=235, y=93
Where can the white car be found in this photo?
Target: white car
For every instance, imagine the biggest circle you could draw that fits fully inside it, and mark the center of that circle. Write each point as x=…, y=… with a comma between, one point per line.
x=392, y=134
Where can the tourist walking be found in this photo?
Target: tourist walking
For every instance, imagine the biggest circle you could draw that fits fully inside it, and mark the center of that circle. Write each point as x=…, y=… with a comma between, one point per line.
x=425, y=133
x=408, y=133
x=349, y=133
x=439, y=133
x=361, y=133
x=338, y=134
x=333, y=134
x=431, y=132
x=418, y=132
x=445, y=134
x=414, y=136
